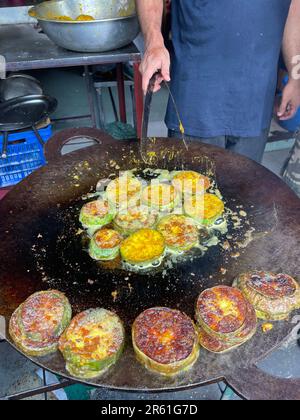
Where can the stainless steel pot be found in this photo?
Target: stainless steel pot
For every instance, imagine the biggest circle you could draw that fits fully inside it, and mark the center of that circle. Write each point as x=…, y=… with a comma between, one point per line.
x=115, y=23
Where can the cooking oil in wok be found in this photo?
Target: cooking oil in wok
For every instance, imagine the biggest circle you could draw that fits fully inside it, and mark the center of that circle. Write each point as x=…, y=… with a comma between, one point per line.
x=208, y=236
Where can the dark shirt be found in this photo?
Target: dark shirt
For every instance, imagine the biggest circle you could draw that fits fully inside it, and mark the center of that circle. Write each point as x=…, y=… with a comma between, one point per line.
x=224, y=65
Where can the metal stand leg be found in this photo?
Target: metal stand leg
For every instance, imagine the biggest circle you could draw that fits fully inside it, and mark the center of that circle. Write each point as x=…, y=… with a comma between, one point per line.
x=92, y=98
x=121, y=92
x=45, y=384
x=4, y=145
x=39, y=391
x=38, y=136
x=227, y=394
x=113, y=104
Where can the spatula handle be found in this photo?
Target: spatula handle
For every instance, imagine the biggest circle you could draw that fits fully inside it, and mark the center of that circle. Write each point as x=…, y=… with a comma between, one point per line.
x=147, y=105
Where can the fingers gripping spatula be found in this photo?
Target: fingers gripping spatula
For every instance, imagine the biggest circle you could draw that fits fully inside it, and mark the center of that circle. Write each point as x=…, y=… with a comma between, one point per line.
x=146, y=154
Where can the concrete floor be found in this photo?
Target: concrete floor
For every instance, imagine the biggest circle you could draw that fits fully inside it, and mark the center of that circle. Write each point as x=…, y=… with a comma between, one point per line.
x=17, y=373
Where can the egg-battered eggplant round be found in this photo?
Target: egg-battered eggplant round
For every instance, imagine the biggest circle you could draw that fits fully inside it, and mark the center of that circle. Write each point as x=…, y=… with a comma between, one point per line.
x=163, y=197
x=205, y=209
x=179, y=232
x=222, y=310
x=227, y=343
x=144, y=247
x=96, y=214
x=225, y=318
x=135, y=218
x=190, y=182
x=37, y=324
x=124, y=191
x=165, y=340
x=92, y=343
x=105, y=245
x=274, y=296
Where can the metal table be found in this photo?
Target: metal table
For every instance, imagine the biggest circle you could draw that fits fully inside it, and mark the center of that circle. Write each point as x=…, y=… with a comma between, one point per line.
x=25, y=48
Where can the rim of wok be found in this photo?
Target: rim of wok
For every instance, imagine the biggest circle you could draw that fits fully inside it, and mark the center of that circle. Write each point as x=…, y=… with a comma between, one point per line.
x=227, y=366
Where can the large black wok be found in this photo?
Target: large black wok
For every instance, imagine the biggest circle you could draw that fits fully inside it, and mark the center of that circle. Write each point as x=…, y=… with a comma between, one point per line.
x=39, y=249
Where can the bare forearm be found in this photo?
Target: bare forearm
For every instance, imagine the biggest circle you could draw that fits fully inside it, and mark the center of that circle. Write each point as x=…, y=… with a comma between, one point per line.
x=291, y=41
x=150, y=15
x=290, y=100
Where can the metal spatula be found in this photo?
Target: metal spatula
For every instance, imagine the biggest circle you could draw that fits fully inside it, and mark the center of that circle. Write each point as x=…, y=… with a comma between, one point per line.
x=145, y=123
x=149, y=157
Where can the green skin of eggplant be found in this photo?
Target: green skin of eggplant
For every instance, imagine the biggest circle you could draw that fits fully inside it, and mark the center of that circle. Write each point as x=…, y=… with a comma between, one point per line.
x=257, y=301
x=66, y=319
x=100, y=254
x=206, y=222
x=84, y=369
x=87, y=369
x=20, y=342
x=162, y=209
x=95, y=222
x=230, y=339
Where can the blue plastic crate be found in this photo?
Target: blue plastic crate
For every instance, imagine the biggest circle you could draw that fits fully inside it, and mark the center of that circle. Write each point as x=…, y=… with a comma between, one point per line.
x=24, y=155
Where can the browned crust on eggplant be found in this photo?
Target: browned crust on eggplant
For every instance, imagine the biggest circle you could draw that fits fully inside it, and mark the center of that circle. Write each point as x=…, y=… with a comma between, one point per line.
x=164, y=335
x=222, y=309
x=216, y=345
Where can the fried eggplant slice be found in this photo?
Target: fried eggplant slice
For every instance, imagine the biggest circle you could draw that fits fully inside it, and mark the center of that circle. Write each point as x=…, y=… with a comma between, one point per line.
x=205, y=209
x=274, y=296
x=92, y=343
x=165, y=341
x=95, y=215
x=221, y=311
x=180, y=232
x=37, y=324
x=162, y=197
x=135, y=218
x=105, y=245
x=222, y=345
x=144, y=247
x=124, y=192
x=190, y=183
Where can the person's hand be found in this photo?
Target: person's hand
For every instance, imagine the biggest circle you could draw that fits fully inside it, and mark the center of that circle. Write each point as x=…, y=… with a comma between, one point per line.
x=290, y=101
x=156, y=58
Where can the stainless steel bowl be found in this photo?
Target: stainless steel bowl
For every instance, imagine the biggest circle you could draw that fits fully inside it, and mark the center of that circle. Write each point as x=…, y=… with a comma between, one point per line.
x=115, y=23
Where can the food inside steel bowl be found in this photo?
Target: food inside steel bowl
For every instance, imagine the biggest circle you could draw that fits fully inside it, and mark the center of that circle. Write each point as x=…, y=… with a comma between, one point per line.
x=274, y=296
x=37, y=324
x=88, y=26
x=225, y=318
x=80, y=18
x=84, y=18
x=165, y=341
